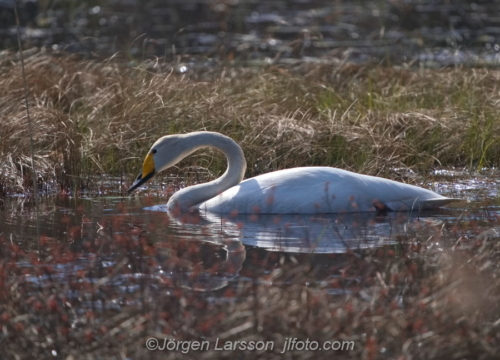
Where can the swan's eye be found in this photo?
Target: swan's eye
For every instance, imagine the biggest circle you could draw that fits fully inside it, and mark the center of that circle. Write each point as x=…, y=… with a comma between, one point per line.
x=153, y=151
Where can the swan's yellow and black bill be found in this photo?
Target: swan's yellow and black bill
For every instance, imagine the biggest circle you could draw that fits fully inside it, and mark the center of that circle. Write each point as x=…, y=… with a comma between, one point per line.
x=148, y=170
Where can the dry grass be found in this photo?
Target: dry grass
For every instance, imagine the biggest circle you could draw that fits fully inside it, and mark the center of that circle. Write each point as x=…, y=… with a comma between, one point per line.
x=101, y=117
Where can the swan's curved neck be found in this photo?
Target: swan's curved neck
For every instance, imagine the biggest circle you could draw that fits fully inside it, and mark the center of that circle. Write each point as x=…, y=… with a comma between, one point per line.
x=236, y=166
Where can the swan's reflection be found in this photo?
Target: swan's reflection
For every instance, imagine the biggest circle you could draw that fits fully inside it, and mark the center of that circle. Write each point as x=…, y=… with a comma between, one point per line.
x=324, y=233
x=186, y=271
x=307, y=234
x=314, y=234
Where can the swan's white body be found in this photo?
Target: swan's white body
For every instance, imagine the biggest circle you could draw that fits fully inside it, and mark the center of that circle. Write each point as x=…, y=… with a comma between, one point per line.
x=310, y=190
x=304, y=190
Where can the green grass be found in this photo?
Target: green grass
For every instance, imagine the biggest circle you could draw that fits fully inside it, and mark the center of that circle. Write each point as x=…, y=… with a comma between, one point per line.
x=96, y=118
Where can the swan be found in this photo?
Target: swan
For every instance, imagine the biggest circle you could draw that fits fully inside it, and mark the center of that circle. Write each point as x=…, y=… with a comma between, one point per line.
x=302, y=190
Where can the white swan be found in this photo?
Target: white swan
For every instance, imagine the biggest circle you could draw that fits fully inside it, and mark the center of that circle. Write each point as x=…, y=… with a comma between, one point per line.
x=303, y=190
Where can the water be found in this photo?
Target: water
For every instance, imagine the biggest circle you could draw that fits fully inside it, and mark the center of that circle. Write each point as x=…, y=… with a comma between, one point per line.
x=110, y=272
x=102, y=232
x=198, y=252
x=427, y=33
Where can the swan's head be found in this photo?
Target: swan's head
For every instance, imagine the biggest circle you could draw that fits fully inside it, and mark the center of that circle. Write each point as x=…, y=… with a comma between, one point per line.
x=165, y=152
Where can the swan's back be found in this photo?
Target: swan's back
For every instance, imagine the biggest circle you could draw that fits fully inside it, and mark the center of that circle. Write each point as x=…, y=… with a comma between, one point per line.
x=310, y=190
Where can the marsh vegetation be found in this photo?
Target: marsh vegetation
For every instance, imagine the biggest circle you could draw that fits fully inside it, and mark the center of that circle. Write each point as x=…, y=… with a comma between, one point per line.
x=107, y=275
x=381, y=88
x=96, y=118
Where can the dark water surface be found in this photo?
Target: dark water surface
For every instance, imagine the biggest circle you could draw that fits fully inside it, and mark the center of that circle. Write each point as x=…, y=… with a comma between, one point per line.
x=425, y=32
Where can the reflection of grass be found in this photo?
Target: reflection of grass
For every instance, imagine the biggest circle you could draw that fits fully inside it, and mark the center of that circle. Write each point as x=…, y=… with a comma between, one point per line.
x=93, y=117
x=434, y=295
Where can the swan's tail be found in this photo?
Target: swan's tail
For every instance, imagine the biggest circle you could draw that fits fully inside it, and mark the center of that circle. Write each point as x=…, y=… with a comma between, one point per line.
x=421, y=204
x=438, y=202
